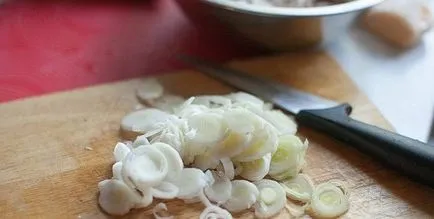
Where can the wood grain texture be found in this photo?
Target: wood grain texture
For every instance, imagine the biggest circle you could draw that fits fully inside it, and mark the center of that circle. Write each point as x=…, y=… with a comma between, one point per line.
x=46, y=171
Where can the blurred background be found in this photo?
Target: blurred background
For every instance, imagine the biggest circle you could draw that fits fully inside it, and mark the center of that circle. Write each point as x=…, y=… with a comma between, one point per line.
x=50, y=46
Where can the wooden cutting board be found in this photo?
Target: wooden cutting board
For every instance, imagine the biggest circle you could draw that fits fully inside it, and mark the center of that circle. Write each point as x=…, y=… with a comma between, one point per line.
x=47, y=172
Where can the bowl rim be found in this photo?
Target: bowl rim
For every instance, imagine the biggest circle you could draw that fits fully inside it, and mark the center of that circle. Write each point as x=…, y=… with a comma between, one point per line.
x=298, y=12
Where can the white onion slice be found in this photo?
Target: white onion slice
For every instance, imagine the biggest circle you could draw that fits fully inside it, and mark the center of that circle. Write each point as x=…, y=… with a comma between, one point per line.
x=117, y=170
x=257, y=169
x=328, y=201
x=143, y=121
x=144, y=167
x=244, y=194
x=116, y=198
x=215, y=212
x=150, y=89
x=190, y=182
x=220, y=190
x=299, y=188
x=271, y=199
x=174, y=161
x=165, y=190
x=121, y=151
x=160, y=209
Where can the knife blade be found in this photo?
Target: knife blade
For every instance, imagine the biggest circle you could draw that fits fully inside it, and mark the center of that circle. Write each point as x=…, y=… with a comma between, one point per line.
x=409, y=156
x=292, y=100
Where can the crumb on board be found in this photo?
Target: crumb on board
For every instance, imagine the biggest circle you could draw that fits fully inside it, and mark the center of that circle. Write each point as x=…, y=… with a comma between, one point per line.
x=89, y=148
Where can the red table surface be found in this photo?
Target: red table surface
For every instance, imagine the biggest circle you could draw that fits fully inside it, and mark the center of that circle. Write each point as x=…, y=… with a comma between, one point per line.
x=48, y=46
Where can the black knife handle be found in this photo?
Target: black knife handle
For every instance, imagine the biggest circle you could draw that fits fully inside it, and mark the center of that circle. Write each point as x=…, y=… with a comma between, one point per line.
x=411, y=157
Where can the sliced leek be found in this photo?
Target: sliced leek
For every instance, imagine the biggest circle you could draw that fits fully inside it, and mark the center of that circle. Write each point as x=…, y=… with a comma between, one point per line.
x=271, y=199
x=121, y=151
x=264, y=141
x=117, y=170
x=299, y=188
x=215, y=212
x=205, y=161
x=144, y=120
x=244, y=194
x=150, y=89
x=342, y=185
x=226, y=136
x=165, y=190
x=145, y=167
x=174, y=161
x=116, y=198
x=288, y=159
x=212, y=101
x=328, y=201
x=190, y=182
x=283, y=123
x=240, y=124
x=295, y=209
x=186, y=110
x=172, y=133
x=233, y=144
x=227, y=167
x=145, y=199
x=140, y=140
x=210, y=129
x=257, y=169
x=167, y=102
x=246, y=98
x=220, y=190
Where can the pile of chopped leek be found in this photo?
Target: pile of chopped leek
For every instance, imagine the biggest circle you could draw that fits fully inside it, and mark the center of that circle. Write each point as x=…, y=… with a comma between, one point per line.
x=231, y=152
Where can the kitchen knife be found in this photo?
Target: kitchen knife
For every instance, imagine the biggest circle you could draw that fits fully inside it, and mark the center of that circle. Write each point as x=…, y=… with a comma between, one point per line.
x=411, y=157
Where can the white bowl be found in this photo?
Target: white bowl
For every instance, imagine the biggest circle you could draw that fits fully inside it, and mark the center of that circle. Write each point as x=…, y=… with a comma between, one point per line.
x=280, y=28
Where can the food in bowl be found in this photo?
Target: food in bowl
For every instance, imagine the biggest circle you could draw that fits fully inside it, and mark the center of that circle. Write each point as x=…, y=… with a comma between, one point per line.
x=292, y=3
